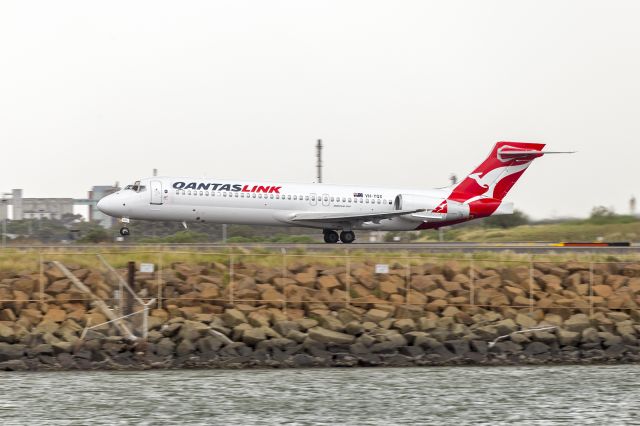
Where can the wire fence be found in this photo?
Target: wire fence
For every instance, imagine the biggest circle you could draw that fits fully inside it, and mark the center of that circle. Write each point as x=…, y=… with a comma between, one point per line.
x=413, y=284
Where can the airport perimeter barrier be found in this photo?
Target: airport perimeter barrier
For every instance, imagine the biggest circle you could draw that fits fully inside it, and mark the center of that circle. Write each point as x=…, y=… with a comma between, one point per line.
x=410, y=285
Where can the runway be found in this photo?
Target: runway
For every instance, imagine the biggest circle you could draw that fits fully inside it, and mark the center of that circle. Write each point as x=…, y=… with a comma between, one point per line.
x=442, y=247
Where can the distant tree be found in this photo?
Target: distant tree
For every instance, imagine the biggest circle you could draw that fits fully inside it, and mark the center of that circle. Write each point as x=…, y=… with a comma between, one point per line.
x=96, y=235
x=601, y=212
x=507, y=221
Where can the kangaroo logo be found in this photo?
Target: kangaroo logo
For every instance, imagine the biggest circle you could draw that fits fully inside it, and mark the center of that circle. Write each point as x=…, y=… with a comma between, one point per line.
x=489, y=180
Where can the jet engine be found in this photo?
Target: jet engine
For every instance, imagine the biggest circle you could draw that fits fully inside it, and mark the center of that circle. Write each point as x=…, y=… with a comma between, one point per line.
x=436, y=209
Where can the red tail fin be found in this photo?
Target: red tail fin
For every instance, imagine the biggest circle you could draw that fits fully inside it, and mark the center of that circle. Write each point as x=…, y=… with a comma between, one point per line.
x=498, y=173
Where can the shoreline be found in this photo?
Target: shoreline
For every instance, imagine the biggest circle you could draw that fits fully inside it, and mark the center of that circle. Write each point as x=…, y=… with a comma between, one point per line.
x=313, y=315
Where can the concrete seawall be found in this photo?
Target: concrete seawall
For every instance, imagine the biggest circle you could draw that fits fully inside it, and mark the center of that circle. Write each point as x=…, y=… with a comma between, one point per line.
x=308, y=314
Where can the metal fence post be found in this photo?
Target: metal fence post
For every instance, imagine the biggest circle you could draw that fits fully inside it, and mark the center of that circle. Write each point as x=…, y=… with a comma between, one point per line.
x=472, y=286
x=591, y=288
x=407, y=282
x=530, y=283
x=41, y=287
x=159, y=280
x=284, y=262
x=347, y=278
x=231, y=279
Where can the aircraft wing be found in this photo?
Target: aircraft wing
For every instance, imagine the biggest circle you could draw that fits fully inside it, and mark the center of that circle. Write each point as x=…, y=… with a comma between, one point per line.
x=349, y=217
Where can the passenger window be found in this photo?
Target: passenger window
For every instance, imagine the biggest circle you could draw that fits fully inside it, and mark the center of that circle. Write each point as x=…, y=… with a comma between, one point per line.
x=367, y=201
x=288, y=197
x=271, y=196
x=306, y=198
x=332, y=199
x=277, y=197
x=224, y=194
x=344, y=200
x=295, y=197
x=177, y=192
x=253, y=195
x=378, y=201
x=201, y=192
x=313, y=198
x=349, y=199
x=188, y=192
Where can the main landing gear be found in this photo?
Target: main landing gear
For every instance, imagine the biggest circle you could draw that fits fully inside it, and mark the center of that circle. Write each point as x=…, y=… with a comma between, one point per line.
x=331, y=237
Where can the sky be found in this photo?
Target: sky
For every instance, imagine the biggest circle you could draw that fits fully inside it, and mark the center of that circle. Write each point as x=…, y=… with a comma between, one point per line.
x=402, y=93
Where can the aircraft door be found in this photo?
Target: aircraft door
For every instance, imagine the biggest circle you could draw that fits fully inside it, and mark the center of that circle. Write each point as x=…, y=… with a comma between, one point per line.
x=156, y=192
x=312, y=199
x=325, y=199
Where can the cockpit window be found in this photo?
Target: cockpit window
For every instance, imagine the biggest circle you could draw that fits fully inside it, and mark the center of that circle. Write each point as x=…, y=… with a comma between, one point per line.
x=135, y=187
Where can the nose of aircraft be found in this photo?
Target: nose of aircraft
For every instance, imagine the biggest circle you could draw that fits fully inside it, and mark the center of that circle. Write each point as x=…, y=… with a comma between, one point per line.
x=107, y=205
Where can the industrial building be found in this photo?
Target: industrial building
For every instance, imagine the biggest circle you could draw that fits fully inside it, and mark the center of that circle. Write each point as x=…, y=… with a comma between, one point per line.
x=54, y=208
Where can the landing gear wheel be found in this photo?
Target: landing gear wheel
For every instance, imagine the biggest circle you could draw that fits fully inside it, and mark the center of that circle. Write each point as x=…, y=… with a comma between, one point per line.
x=347, y=237
x=331, y=237
x=124, y=231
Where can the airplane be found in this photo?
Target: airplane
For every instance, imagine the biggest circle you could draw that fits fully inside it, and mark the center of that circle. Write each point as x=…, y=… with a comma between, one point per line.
x=332, y=208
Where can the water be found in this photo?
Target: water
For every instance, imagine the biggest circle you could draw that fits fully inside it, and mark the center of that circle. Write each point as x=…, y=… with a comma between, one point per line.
x=376, y=396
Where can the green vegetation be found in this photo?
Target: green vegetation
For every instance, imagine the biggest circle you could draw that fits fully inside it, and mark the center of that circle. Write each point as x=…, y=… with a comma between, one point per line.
x=602, y=225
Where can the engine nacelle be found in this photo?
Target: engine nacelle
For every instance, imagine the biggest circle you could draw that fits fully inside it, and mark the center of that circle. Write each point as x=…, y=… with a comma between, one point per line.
x=436, y=209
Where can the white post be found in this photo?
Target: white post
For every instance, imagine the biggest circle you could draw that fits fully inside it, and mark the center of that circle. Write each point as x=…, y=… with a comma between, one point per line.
x=145, y=323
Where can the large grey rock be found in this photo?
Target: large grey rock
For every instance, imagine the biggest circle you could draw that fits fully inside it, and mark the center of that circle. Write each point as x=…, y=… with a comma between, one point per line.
x=165, y=347
x=186, y=347
x=297, y=336
x=283, y=327
x=7, y=334
x=577, y=323
x=209, y=345
x=233, y=317
x=253, y=336
x=536, y=348
x=507, y=347
x=193, y=330
x=568, y=338
x=384, y=348
x=13, y=365
x=354, y=328
x=506, y=326
x=9, y=352
x=458, y=347
x=328, y=336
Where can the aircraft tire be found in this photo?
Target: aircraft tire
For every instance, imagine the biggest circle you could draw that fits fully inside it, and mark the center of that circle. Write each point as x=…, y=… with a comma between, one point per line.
x=347, y=237
x=331, y=237
x=124, y=231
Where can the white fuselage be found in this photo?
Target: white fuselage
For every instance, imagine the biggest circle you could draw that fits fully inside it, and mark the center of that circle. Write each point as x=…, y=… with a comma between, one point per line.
x=259, y=203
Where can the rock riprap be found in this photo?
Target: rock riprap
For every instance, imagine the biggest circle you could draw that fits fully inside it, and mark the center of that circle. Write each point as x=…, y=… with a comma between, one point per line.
x=318, y=315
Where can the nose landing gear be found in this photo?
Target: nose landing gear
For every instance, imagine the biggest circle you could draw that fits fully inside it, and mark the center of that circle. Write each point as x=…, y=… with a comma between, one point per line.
x=124, y=231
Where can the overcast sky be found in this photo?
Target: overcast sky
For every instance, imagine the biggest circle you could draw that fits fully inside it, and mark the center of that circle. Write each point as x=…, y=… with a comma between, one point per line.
x=403, y=93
